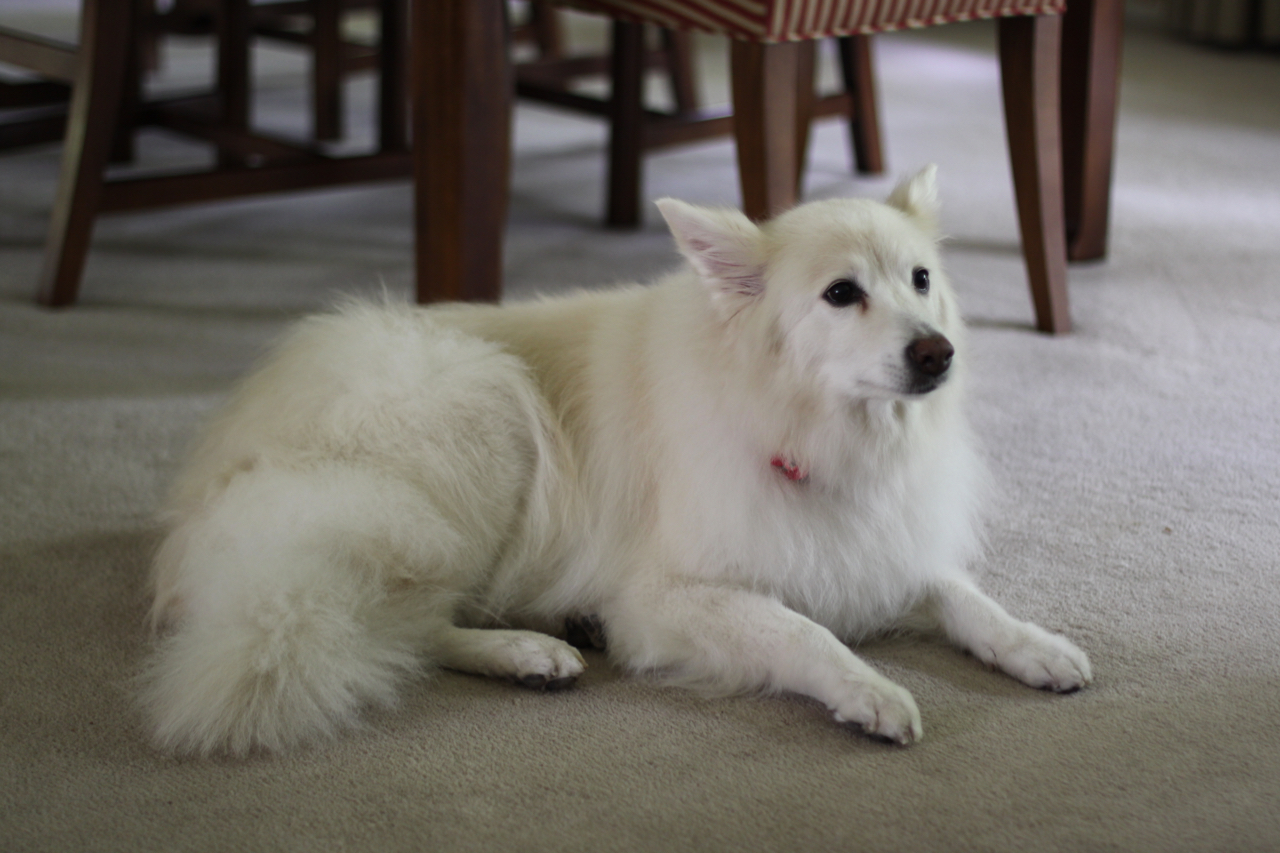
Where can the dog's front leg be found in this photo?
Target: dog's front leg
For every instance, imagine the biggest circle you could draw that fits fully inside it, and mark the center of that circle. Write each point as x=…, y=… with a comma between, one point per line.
x=730, y=640
x=1027, y=652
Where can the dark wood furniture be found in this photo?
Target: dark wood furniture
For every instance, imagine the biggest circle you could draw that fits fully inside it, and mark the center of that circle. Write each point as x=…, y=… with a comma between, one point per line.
x=462, y=127
x=249, y=161
x=1029, y=75
x=1091, y=43
x=314, y=25
x=635, y=130
x=94, y=70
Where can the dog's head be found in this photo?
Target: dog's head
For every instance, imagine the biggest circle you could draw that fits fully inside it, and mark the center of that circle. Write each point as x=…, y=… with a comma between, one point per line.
x=850, y=291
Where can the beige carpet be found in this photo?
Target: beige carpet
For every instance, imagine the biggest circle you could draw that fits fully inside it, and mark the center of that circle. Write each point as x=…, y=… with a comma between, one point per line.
x=1138, y=460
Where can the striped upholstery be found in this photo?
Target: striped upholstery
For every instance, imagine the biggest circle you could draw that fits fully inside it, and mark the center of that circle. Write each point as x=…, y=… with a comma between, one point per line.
x=794, y=20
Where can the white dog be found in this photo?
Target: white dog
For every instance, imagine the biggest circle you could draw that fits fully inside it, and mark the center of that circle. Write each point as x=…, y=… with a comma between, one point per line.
x=737, y=470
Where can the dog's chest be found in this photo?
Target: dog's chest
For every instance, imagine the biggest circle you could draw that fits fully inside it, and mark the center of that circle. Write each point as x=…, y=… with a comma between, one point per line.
x=847, y=558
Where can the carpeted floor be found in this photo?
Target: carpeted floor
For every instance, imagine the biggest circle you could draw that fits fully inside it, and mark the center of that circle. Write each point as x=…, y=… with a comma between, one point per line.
x=1137, y=458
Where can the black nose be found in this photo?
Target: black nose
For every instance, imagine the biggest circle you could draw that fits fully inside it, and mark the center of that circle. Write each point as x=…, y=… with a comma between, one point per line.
x=931, y=356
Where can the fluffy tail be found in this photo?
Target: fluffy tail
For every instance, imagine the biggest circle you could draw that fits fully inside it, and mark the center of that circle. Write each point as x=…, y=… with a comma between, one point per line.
x=279, y=628
x=270, y=680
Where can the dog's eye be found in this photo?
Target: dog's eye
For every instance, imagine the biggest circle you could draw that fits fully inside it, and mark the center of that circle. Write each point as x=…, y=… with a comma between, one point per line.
x=844, y=293
x=920, y=278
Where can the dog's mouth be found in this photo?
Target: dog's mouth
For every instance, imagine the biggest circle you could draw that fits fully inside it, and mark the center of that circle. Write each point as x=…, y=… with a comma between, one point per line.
x=908, y=384
x=918, y=385
x=923, y=367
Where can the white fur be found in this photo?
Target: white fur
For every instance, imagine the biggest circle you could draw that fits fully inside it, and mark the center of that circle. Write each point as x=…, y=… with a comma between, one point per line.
x=399, y=486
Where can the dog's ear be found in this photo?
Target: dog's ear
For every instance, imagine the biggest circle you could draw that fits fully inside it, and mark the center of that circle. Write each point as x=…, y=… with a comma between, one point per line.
x=723, y=246
x=917, y=196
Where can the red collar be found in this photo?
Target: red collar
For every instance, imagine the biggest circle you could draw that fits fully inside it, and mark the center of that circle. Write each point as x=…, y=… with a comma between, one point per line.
x=789, y=469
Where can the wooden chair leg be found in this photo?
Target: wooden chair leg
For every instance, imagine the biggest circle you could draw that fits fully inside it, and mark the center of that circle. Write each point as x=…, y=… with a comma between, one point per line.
x=806, y=99
x=105, y=30
x=765, y=77
x=546, y=30
x=326, y=69
x=393, y=99
x=626, y=125
x=461, y=147
x=1091, y=33
x=677, y=46
x=234, y=26
x=1029, y=69
x=123, y=147
x=143, y=55
x=857, y=69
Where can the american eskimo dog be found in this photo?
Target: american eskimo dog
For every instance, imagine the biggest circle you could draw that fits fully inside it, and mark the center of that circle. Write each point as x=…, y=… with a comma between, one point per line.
x=737, y=471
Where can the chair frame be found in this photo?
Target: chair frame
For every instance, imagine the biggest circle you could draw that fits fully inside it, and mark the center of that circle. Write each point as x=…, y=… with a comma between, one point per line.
x=462, y=141
x=635, y=130
x=249, y=162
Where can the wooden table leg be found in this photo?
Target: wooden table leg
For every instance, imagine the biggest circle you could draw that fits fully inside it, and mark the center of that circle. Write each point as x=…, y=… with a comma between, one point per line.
x=461, y=146
x=1091, y=41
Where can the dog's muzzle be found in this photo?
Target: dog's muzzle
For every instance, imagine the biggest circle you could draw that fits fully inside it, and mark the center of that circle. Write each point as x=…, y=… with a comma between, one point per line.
x=929, y=358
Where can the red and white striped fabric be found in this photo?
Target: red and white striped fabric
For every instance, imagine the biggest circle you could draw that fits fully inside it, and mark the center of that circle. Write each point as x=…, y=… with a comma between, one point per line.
x=795, y=20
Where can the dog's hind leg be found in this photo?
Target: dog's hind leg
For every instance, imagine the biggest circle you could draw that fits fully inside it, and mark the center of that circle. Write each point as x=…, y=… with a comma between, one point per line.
x=525, y=657
x=1029, y=653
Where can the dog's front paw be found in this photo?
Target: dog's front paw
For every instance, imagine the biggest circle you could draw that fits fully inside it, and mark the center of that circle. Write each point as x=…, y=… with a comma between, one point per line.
x=880, y=709
x=1040, y=659
x=545, y=663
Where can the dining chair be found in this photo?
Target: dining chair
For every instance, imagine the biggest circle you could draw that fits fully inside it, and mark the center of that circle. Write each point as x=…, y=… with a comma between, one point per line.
x=95, y=73
x=464, y=84
x=772, y=45
x=635, y=128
